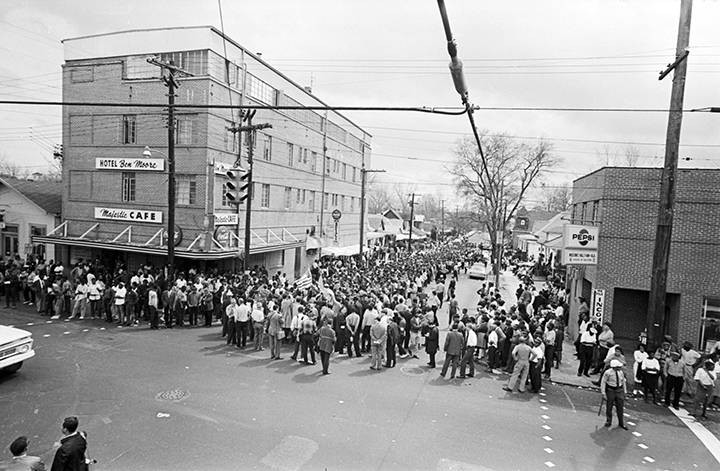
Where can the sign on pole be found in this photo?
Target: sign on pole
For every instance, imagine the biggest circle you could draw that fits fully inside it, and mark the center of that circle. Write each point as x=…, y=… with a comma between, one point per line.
x=598, y=305
x=580, y=245
x=336, y=214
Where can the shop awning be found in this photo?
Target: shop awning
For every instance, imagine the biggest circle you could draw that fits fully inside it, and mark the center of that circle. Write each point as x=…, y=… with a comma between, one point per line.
x=375, y=235
x=196, y=248
x=346, y=251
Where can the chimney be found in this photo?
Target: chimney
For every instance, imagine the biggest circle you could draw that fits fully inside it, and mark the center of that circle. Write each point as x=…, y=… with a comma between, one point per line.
x=308, y=89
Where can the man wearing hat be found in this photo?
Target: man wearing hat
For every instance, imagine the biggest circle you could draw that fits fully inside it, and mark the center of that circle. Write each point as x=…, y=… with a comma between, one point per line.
x=613, y=386
x=21, y=460
x=674, y=371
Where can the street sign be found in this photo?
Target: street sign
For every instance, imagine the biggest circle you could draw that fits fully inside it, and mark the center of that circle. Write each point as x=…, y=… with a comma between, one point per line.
x=580, y=245
x=336, y=214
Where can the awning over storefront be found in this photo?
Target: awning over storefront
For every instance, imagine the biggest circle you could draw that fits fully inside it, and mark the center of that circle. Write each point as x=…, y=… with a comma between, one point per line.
x=313, y=242
x=230, y=246
x=346, y=251
x=375, y=235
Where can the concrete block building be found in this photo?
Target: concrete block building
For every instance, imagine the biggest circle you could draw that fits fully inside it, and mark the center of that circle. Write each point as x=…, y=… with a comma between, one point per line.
x=115, y=200
x=623, y=202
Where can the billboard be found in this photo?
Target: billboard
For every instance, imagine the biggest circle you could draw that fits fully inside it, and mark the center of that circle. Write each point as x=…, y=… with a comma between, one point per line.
x=580, y=244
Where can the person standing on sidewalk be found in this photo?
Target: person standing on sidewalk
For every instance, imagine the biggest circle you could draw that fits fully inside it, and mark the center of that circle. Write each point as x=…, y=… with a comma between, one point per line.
x=674, y=371
x=704, y=382
x=613, y=387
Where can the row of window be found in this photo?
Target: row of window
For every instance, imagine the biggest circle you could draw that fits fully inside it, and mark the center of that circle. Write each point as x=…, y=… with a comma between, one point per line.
x=586, y=213
x=300, y=199
x=185, y=188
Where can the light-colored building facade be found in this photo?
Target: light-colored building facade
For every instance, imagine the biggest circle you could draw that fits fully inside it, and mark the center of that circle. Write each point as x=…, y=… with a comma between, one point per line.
x=115, y=202
x=29, y=209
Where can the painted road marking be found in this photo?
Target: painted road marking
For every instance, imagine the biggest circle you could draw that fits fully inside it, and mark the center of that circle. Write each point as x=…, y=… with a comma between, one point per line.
x=549, y=464
x=710, y=441
x=549, y=451
x=543, y=394
x=544, y=408
x=643, y=446
x=291, y=453
x=102, y=328
x=547, y=427
x=649, y=459
x=30, y=323
x=46, y=335
x=547, y=439
x=452, y=465
x=545, y=417
x=48, y=322
x=637, y=434
x=631, y=423
x=66, y=333
x=86, y=330
x=543, y=401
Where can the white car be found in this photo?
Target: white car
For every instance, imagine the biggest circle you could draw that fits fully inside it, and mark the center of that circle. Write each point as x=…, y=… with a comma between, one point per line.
x=477, y=271
x=16, y=346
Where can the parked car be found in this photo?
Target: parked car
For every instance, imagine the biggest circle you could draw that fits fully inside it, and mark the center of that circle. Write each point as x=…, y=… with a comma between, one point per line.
x=477, y=271
x=16, y=346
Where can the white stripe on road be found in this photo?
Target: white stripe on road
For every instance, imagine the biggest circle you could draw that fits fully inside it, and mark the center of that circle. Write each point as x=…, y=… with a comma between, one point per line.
x=547, y=438
x=549, y=451
x=452, y=465
x=547, y=427
x=643, y=446
x=637, y=434
x=649, y=460
x=545, y=417
x=710, y=441
x=549, y=464
x=290, y=454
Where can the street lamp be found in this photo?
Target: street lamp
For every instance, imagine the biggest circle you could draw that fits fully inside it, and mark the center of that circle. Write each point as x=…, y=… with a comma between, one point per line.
x=147, y=152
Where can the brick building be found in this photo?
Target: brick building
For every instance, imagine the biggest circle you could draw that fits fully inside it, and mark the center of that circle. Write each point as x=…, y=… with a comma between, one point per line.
x=623, y=202
x=115, y=198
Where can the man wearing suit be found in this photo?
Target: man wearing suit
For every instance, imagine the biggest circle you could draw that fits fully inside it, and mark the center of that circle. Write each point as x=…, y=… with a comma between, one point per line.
x=274, y=327
x=21, y=461
x=71, y=454
x=454, y=343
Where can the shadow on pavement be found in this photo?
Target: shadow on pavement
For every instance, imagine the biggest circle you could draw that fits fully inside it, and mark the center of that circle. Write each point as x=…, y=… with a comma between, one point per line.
x=307, y=378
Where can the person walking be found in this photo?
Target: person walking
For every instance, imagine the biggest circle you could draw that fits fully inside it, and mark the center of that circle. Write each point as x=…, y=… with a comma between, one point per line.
x=613, y=387
x=521, y=355
x=326, y=343
x=454, y=342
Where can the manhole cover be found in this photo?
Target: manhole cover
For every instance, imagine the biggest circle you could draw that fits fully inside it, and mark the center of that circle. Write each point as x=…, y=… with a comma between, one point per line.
x=413, y=370
x=172, y=395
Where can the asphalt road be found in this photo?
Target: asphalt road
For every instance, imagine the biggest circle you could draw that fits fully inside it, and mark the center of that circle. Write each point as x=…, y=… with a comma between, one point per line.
x=241, y=410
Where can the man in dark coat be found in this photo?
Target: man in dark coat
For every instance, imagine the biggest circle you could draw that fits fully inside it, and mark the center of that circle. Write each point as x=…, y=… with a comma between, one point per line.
x=71, y=454
x=432, y=343
x=454, y=343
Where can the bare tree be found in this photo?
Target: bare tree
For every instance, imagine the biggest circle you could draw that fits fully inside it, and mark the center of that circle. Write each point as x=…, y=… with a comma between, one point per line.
x=607, y=156
x=632, y=155
x=401, y=198
x=379, y=197
x=497, y=188
x=558, y=198
x=12, y=169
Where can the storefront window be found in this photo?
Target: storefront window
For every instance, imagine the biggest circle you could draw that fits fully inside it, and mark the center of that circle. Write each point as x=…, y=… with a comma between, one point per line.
x=710, y=329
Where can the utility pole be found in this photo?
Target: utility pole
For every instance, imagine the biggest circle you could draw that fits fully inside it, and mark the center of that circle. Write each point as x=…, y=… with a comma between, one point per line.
x=412, y=215
x=663, y=234
x=500, y=239
x=363, y=183
x=322, y=184
x=442, y=220
x=170, y=82
x=250, y=139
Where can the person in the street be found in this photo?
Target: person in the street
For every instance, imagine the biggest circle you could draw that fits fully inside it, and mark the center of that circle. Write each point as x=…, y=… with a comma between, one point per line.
x=232, y=334
x=258, y=320
x=152, y=300
x=378, y=339
x=605, y=340
x=71, y=454
x=651, y=373
x=704, y=383
x=537, y=358
x=587, y=343
x=521, y=353
x=274, y=329
x=691, y=360
x=432, y=343
x=393, y=337
x=306, y=338
x=21, y=461
x=454, y=342
x=549, y=337
x=468, y=356
x=639, y=355
x=326, y=344
x=613, y=387
x=674, y=372
x=352, y=321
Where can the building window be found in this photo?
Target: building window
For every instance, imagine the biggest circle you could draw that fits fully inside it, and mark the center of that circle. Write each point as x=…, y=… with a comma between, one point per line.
x=267, y=147
x=354, y=174
x=186, y=190
x=304, y=194
x=260, y=90
x=38, y=250
x=311, y=201
x=183, y=133
x=335, y=200
x=298, y=198
x=290, y=154
x=225, y=201
x=352, y=204
x=596, y=212
x=326, y=201
x=336, y=166
x=128, y=186
x=265, y=201
x=328, y=162
x=305, y=156
x=314, y=161
x=710, y=324
x=584, y=214
x=230, y=138
x=342, y=202
x=128, y=129
x=344, y=173
x=288, y=197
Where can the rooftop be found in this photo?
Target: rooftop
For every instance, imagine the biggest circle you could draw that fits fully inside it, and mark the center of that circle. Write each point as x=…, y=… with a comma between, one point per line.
x=47, y=194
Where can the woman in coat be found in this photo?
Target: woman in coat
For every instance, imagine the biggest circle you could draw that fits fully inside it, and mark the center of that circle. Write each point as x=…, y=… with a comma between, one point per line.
x=432, y=343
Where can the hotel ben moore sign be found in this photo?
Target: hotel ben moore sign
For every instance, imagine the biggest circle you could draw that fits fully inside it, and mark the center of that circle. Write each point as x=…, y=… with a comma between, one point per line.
x=130, y=164
x=130, y=215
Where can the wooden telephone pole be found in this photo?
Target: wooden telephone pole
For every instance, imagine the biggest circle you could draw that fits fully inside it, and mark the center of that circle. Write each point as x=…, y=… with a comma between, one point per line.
x=663, y=234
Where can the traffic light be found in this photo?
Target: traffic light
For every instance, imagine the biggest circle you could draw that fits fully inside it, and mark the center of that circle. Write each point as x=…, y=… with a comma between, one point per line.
x=237, y=185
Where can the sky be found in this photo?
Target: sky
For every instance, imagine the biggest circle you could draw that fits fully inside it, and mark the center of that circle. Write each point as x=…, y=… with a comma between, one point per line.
x=553, y=53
